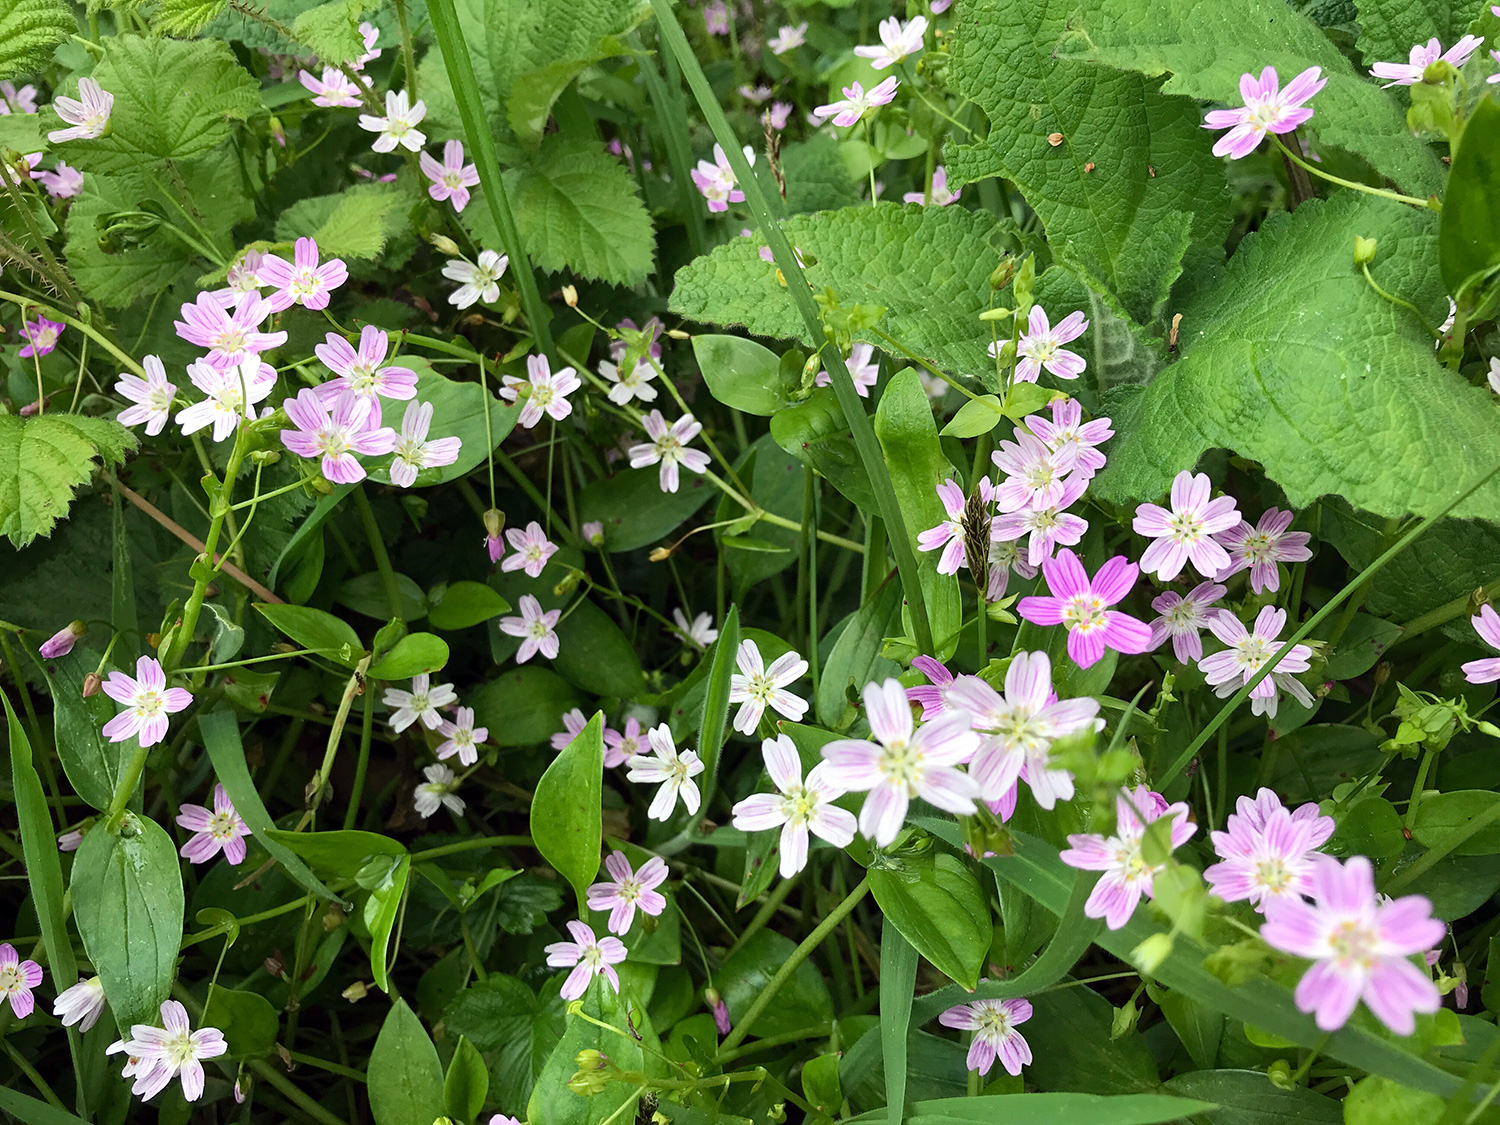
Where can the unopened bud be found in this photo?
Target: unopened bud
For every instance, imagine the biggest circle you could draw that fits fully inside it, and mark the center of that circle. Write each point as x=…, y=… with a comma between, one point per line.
x=1382, y=672
x=278, y=132
x=1364, y=250
x=660, y=554
x=1003, y=273
x=265, y=457
x=679, y=334
x=241, y=1089
x=591, y=1059
x=1280, y=1074
x=91, y=684
x=494, y=522
x=444, y=244
x=275, y=966
x=593, y=533
x=1148, y=956
x=997, y=314
x=570, y=296
x=568, y=584
x=61, y=642
x=355, y=992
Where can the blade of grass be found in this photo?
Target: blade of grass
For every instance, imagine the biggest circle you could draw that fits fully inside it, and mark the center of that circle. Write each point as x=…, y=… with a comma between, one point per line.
x=860, y=428
x=898, y=982
x=672, y=116
x=716, y=701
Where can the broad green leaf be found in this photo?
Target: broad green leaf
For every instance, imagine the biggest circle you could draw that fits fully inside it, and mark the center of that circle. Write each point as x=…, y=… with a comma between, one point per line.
x=929, y=267
x=938, y=906
x=128, y=905
x=338, y=854
x=382, y=909
x=1371, y=827
x=1053, y=1109
x=820, y=1080
x=185, y=18
x=530, y=103
x=413, y=654
x=314, y=629
x=463, y=605
x=595, y=655
x=1363, y=643
x=855, y=660
x=814, y=431
x=34, y=1111
x=354, y=223
x=565, y=810
x=977, y=416
x=1198, y=1027
x=817, y=179
x=778, y=484
x=332, y=30
x=366, y=594
x=1246, y=1097
x=1206, y=47
x=502, y=1015
x=29, y=30
x=1379, y=1101
x=552, y=1103
x=44, y=460
x=174, y=99
x=247, y=1019
x=803, y=1001
x=1132, y=189
x=1444, y=815
x=1389, y=28
x=1469, y=233
x=466, y=1083
x=742, y=374
x=522, y=706
x=90, y=761
x=1293, y=361
x=898, y=978
x=635, y=511
x=405, y=1078
x=1073, y=1048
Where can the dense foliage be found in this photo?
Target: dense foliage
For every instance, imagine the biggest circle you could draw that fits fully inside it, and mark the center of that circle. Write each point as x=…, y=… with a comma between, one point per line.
x=532, y=589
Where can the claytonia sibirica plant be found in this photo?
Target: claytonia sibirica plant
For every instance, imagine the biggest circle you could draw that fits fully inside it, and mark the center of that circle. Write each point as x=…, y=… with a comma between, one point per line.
x=816, y=517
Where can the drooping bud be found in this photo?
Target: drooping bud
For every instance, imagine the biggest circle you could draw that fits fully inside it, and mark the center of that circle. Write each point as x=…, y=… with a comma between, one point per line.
x=444, y=244
x=1364, y=250
x=570, y=296
x=91, y=684
x=593, y=533
x=61, y=642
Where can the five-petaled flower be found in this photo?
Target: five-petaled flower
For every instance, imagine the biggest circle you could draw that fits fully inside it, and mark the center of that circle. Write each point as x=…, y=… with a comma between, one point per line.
x=230, y=335
x=668, y=446
x=536, y=629
x=452, y=179
x=414, y=452
x=628, y=889
x=993, y=1023
x=1424, y=55
x=864, y=367
x=87, y=115
x=948, y=536
x=156, y=1055
x=589, y=956
x=420, y=705
x=461, y=737
x=621, y=746
x=40, y=335
x=1248, y=652
x=1081, y=605
x=1186, y=532
x=1261, y=547
x=1045, y=529
x=399, y=125
x=848, y=110
x=151, y=397
x=700, y=632
x=477, y=281
x=1486, y=670
x=1040, y=347
x=147, y=701
x=17, y=979
x=1034, y=474
x=717, y=182
x=1267, y=108
x=532, y=550
x=231, y=393
x=940, y=195
x=797, y=807
x=1183, y=619
x=1069, y=436
x=635, y=383
x=439, y=790
x=897, y=41
x=334, y=89
x=756, y=687
x=547, y=391
x=789, y=38
x=1267, y=850
x=362, y=372
x=305, y=280
x=216, y=830
x=674, y=770
x=1128, y=873
x=335, y=436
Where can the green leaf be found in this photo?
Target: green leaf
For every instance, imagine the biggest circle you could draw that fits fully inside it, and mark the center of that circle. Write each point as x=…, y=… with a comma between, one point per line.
x=366, y=594
x=340, y=854
x=1379, y=1101
x=34, y=1111
x=43, y=461
x=1442, y=816
x=466, y=1084
x=405, y=1077
x=91, y=762
x=1206, y=47
x=635, y=511
x=1388, y=28
x=1372, y=827
x=502, y=1015
x=530, y=102
x=382, y=909
x=465, y=604
x=1132, y=188
x=976, y=416
x=855, y=659
x=522, y=706
x=778, y=484
x=1074, y=1050
x=938, y=906
x=817, y=179
x=1055, y=1109
x=552, y=1103
x=594, y=654
x=29, y=30
x=898, y=979
x=332, y=30
x=1246, y=1097
x=1469, y=233
x=820, y=1081
x=929, y=267
x=713, y=725
x=742, y=374
x=1199, y=1028
x=814, y=431
x=354, y=223
x=1362, y=644
x=803, y=1001
x=174, y=99
x=325, y=634
x=565, y=811
x=247, y=1019
x=413, y=654
x=128, y=905
x=185, y=18
x=1293, y=361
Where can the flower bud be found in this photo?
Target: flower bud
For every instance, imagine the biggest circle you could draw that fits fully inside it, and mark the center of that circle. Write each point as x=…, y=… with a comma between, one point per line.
x=660, y=554
x=593, y=533
x=570, y=296
x=1382, y=672
x=355, y=992
x=241, y=1088
x=679, y=334
x=265, y=457
x=1148, y=956
x=444, y=244
x=1280, y=1074
x=91, y=684
x=1364, y=250
x=568, y=584
x=61, y=642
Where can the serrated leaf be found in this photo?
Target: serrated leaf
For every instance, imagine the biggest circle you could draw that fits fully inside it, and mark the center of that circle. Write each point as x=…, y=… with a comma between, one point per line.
x=332, y=30
x=1207, y=46
x=29, y=30
x=185, y=18
x=43, y=460
x=1132, y=187
x=530, y=102
x=355, y=223
x=1389, y=28
x=1295, y=362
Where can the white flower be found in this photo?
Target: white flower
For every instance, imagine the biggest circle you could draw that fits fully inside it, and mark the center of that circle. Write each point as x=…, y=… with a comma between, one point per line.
x=82, y=1004
x=634, y=384
x=700, y=632
x=848, y=110
x=159, y=1054
x=399, y=125
x=758, y=687
x=477, y=282
x=414, y=452
x=864, y=367
x=896, y=42
x=789, y=38
x=674, y=771
x=437, y=790
x=669, y=447
x=797, y=807
x=420, y=704
x=152, y=397
x=231, y=392
x=88, y=114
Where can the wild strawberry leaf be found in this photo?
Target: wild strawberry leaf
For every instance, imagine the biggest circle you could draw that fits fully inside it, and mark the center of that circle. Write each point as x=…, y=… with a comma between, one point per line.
x=43, y=460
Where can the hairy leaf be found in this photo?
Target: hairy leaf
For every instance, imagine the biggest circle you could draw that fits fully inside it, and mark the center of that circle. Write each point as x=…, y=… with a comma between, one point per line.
x=43, y=460
x=29, y=30
x=332, y=30
x=1388, y=29
x=355, y=223
x=185, y=18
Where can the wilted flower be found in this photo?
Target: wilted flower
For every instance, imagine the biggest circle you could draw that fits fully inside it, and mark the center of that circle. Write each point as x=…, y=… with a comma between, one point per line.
x=61, y=643
x=628, y=889
x=216, y=831
x=1127, y=873
x=1267, y=108
x=537, y=630
x=87, y=115
x=797, y=807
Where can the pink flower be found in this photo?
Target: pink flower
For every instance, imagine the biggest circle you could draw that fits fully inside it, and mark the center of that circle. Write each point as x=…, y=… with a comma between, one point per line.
x=1267, y=851
x=1041, y=347
x=81, y=1004
x=461, y=737
x=333, y=89
x=756, y=687
x=242, y=279
x=87, y=115
x=17, y=979
x=1261, y=547
x=451, y=179
x=1006, y=556
x=716, y=18
x=1183, y=617
x=628, y=889
x=668, y=446
x=620, y=748
x=1360, y=949
x=1034, y=475
x=1247, y=653
x=414, y=452
x=547, y=393
x=948, y=535
x=61, y=182
x=1017, y=729
x=220, y=830
x=337, y=436
x=1186, y=532
x=589, y=957
x=418, y=705
x=573, y=720
x=864, y=368
x=674, y=771
x=897, y=40
x=147, y=701
x=151, y=397
x=40, y=335
x=789, y=38
x=1487, y=624
x=1127, y=874
x=1046, y=527
x=778, y=115
x=717, y=182
x=371, y=35
x=302, y=281
x=60, y=643
x=932, y=697
x=797, y=808
x=941, y=196
x=847, y=111
x=1073, y=439
x=993, y=1023
x=231, y=336
x=159, y=1054
x=23, y=100
x=532, y=548
x=399, y=125
x=537, y=630
x=1424, y=55
x=903, y=763
x=232, y=393
x=593, y=533
x=1081, y=606
x=1267, y=108
x=363, y=373
x=722, y=1023
x=1492, y=79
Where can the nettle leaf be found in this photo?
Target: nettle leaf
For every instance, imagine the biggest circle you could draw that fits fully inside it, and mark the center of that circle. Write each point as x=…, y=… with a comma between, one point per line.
x=1389, y=28
x=1295, y=362
x=1207, y=46
x=356, y=223
x=29, y=30
x=929, y=267
x=332, y=30
x=1132, y=188
x=185, y=18
x=43, y=460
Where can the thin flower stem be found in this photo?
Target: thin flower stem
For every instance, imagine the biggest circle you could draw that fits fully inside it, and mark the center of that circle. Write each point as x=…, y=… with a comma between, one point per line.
x=1447, y=612
x=1443, y=850
x=83, y=366
x=477, y=843
x=408, y=61
x=1395, y=300
x=244, y=663
x=331, y=1067
x=377, y=548
x=815, y=1032
x=72, y=322
x=362, y=763
x=915, y=358
x=1425, y=204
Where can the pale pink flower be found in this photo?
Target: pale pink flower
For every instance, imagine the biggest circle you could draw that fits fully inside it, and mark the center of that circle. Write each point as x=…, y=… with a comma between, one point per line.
x=948, y=535
x=1424, y=55
x=897, y=41
x=536, y=629
x=216, y=831
x=573, y=720
x=70, y=841
x=1082, y=606
x=993, y=1023
x=302, y=281
x=147, y=701
x=1360, y=949
x=1261, y=547
x=81, y=1004
x=1487, y=624
x=1183, y=618
x=547, y=392
x=532, y=550
x=932, y=696
x=1186, y=533
x=864, y=368
x=628, y=889
x=1040, y=347
x=232, y=394
x=776, y=117
x=477, y=281
x=451, y=179
x=847, y=111
x=797, y=807
x=40, y=335
x=1267, y=108
x=668, y=446
x=151, y=397
x=1069, y=436
x=1492, y=79
x=716, y=18
x=717, y=182
x=620, y=747
x=335, y=436
x=461, y=737
x=1127, y=873
x=231, y=336
x=1034, y=475
x=242, y=279
x=438, y=791
x=62, y=182
x=17, y=979
x=333, y=89
x=159, y=1054
x=941, y=196
x=588, y=956
x=21, y=171
x=60, y=643
x=700, y=632
x=363, y=372
x=1045, y=527
x=87, y=115
x=635, y=383
x=672, y=769
x=1017, y=729
x=755, y=94
x=722, y=1023
x=1247, y=653
x=593, y=532
x=399, y=125
x=420, y=705
x=371, y=35
x=756, y=687
x=1267, y=851
x=13, y=100
x=789, y=38
x=414, y=452
x=1006, y=556
x=903, y=763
